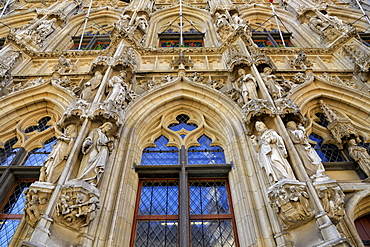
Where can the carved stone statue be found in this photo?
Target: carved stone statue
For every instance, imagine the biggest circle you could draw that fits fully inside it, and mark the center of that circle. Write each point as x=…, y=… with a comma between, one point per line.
x=248, y=85
x=272, y=153
x=310, y=158
x=360, y=155
x=46, y=27
x=332, y=200
x=271, y=83
x=96, y=149
x=64, y=65
x=123, y=22
x=142, y=22
x=54, y=164
x=90, y=88
x=237, y=20
x=221, y=20
x=119, y=88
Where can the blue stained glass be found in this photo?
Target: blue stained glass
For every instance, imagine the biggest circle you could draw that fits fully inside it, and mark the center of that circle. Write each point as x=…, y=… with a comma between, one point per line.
x=8, y=152
x=156, y=233
x=7, y=230
x=159, y=198
x=327, y=152
x=212, y=233
x=160, y=154
x=205, y=153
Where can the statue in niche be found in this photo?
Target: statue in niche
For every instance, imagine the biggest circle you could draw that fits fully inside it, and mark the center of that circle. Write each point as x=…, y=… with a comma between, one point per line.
x=123, y=21
x=360, y=155
x=46, y=27
x=275, y=90
x=248, y=85
x=272, y=153
x=54, y=164
x=96, y=149
x=119, y=88
x=64, y=65
x=142, y=22
x=310, y=158
x=90, y=88
x=221, y=20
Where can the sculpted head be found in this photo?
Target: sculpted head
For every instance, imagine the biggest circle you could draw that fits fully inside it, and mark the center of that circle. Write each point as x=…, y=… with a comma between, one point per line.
x=241, y=72
x=267, y=70
x=352, y=142
x=291, y=125
x=106, y=127
x=260, y=127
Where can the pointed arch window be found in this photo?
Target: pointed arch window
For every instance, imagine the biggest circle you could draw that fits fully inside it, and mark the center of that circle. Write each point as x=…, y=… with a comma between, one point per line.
x=205, y=153
x=160, y=154
x=8, y=152
x=42, y=125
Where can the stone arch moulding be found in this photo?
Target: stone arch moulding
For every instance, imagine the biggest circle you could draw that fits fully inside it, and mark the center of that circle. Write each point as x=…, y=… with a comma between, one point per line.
x=143, y=123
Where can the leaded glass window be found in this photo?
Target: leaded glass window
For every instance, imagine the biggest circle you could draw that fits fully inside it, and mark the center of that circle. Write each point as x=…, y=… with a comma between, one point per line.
x=322, y=119
x=327, y=152
x=12, y=211
x=205, y=153
x=42, y=125
x=210, y=218
x=8, y=152
x=37, y=156
x=160, y=154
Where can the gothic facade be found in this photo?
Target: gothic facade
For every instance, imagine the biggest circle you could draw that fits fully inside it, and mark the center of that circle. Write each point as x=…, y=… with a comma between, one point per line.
x=185, y=123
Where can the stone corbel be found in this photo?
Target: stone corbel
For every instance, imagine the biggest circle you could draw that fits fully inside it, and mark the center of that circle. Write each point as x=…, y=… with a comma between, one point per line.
x=257, y=107
x=37, y=197
x=290, y=201
x=78, y=204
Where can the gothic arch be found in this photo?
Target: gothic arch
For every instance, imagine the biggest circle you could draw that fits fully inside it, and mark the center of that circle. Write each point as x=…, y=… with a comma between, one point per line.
x=184, y=97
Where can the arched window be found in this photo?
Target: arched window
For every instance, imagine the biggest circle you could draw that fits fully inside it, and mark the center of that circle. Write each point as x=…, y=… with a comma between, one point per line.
x=363, y=228
x=322, y=119
x=327, y=152
x=42, y=125
x=37, y=156
x=8, y=152
x=193, y=191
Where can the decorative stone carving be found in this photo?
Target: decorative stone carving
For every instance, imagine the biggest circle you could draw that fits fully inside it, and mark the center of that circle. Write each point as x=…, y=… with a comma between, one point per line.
x=309, y=157
x=34, y=82
x=301, y=61
x=196, y=77
x=167, y=78
x=181, y=62
x=64, y=65
x=54, y=164
x=290, y=201
x=90, y=88
x=339, y=127
x=64, y=82
x=301, y=78
x=126, y=59
x=285, y=106
x=360, y=155
x=123, y=22
x=117, y=94
x=361, y=59
x=37, y=196
x=7, y=63
x=275, y=90
x=148, y=85
x=142, y=23
x=78, y=204
x=257, y=107
x=248, y=85
x=272, y=153
x=332, y=200
x=96, y=149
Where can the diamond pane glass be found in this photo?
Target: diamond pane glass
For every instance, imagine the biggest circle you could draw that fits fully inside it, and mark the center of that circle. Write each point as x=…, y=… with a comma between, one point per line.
x=42, y=125
x=37, y=156
x=17, y=199
x=7, y=230
x=212, y=233
x=156, y=233
x=205, y=153
x=364, y=144
x=159, y=198
x=322, y=119
x=327, y=152
x=208, y=197
x=160, y=154
x=8, y=152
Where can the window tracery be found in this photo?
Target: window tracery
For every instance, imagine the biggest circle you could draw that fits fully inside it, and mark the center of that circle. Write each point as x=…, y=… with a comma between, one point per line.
x=8, y=152
x=37, y=156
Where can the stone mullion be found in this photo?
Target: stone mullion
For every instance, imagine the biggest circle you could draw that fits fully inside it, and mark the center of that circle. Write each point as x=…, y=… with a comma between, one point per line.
x=184, y=229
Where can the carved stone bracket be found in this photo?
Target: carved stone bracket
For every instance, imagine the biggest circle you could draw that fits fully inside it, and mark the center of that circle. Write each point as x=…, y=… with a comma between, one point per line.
x=360, y=58
x=78, y=204
x=290, y=201
x=300, y=61
x=126, y=59
x=332, y=199
x=182, y=62
x=8, y=62
x=84, y=109
x=37, y=196
x=257, y=107
x=339, y=127
x=286, y=106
